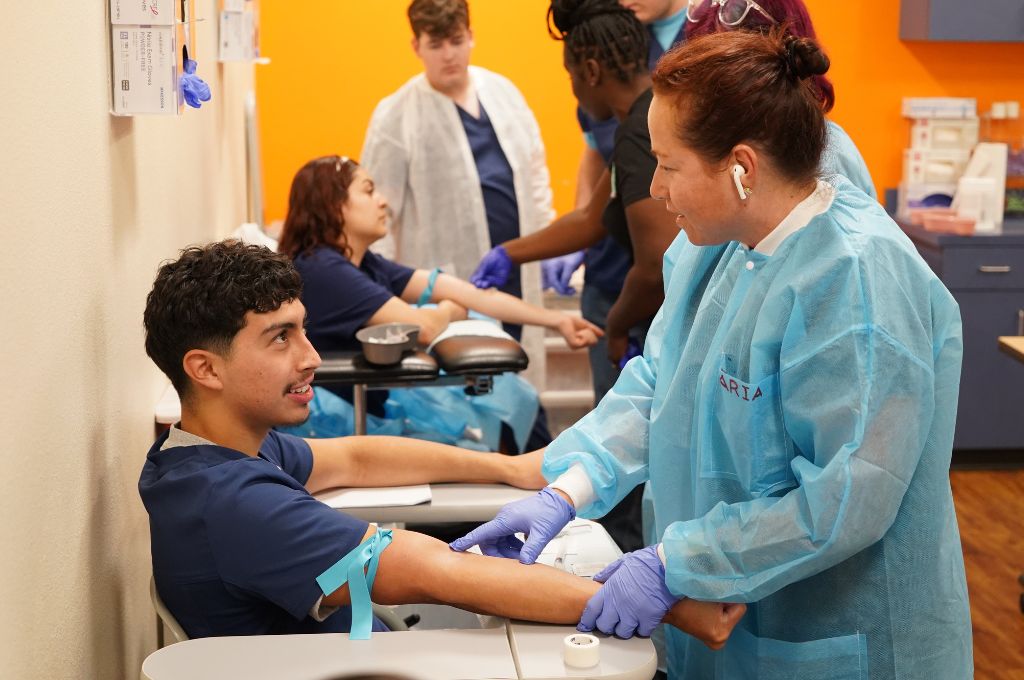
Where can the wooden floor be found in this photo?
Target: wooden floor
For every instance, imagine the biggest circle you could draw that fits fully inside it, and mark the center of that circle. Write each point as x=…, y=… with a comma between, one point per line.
x=990, y=510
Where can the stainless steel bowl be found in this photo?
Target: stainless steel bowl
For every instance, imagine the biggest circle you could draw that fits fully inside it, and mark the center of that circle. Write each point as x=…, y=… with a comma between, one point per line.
x=385, y=343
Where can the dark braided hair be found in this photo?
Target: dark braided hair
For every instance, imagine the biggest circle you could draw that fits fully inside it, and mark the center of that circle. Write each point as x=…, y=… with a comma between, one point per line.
x=603, y=30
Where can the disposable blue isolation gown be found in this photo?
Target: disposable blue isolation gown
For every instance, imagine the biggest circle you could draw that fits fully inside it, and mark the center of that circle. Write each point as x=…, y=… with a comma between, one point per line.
x=842, y=157
x=795, y=419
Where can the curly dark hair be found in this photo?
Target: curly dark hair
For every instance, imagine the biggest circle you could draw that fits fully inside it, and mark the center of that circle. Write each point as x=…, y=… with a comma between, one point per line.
x=603, y=30
x=200, y=300
x=318, y=191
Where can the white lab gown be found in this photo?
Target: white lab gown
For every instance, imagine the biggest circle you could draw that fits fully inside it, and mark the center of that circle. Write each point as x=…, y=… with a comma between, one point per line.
x=418, y=155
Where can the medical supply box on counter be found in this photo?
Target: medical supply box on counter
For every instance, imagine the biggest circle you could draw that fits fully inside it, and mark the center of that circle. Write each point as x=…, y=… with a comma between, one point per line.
x=146, y=39
x=931, y=166
x=943, y=132
x=918, y=108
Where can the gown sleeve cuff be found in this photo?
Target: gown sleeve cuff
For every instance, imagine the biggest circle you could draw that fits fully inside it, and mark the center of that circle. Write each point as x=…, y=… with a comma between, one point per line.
x=661, y=555
x=576, y=484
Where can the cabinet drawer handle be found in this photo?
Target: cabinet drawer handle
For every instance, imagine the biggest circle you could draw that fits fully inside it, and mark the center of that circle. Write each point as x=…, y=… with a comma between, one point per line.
x=994, y=269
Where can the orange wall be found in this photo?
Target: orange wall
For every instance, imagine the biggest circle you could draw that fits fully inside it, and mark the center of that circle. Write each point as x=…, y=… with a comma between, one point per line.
x=873, y=70
x=333, y=60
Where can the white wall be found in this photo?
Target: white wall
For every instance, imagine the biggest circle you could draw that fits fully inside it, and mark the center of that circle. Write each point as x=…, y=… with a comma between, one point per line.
x=89, y=206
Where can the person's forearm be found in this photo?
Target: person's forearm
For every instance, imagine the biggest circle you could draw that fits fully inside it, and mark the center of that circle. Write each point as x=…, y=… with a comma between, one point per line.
x=503, y=587
x=396, y=461
x=486, y=585
x=642, y=295
x=571, y=232
x=581, y=228
x=453, y=310
x=432, y=322
x=494, y=303
x=591, y=168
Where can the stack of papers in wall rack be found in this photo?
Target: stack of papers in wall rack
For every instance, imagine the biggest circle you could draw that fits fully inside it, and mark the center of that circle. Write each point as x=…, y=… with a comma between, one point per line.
x=375, y=497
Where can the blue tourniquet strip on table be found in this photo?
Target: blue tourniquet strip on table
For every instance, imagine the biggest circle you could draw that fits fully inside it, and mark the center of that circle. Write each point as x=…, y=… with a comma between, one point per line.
x=429, y=290
x=349, y=569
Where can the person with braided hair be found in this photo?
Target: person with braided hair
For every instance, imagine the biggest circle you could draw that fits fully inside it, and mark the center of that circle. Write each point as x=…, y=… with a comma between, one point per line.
x=665, y=21
x=605, y=52
x=794, y=406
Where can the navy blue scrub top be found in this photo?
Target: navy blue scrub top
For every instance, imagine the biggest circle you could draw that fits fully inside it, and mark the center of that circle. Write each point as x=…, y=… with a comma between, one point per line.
x=238, y=542
x=340, y=298
x=497, y=182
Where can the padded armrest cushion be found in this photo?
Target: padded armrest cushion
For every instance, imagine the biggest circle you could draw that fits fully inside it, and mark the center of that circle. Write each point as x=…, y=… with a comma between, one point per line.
x=347, y=368
x=479, y=355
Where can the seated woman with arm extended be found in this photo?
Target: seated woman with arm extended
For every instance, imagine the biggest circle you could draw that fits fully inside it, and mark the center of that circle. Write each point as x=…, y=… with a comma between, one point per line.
x=334, y=215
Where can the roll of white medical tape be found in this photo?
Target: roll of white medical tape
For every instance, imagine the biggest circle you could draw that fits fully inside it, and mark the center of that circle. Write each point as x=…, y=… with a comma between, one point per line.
x=581, y=650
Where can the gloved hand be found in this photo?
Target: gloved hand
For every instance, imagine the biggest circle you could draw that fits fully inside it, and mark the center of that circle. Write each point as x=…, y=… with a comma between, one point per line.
x=193, y=87
x=556, y=272
x=634, y=598
x=540, y=517
x=633, y=349
x=493, y=270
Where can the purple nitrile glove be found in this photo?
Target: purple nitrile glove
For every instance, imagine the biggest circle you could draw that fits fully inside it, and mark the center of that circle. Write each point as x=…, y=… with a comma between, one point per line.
x=493, y=270
x=540, y=517
x=633, y=349
x=556, y=272
x=194, y=88
x=634, y=598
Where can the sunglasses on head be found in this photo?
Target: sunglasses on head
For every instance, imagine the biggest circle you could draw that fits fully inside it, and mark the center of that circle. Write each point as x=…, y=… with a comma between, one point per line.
x=730, y=12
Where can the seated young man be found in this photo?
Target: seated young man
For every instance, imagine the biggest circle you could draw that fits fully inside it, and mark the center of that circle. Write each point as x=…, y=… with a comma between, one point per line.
x=238, y=541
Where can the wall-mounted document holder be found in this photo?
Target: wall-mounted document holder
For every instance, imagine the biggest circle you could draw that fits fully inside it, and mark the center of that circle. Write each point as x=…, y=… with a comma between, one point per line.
x=149, y=42
x=239, y=31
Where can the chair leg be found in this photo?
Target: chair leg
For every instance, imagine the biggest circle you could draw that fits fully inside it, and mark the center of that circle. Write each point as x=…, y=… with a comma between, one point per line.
x=159, y=632
x=359, y=408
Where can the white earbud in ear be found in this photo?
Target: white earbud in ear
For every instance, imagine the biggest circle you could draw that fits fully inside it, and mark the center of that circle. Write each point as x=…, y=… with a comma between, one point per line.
x=738, y=173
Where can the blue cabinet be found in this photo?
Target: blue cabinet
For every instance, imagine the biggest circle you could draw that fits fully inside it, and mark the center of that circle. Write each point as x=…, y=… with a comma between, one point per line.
x=962, y=21
x=986, y=276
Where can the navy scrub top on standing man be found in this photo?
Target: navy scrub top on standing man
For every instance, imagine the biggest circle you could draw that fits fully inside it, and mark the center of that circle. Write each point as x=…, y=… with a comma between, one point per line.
x=497, y=182
x=498, y=185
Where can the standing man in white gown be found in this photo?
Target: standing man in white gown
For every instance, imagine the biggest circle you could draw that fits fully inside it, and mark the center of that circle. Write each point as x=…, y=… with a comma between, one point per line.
x=458, y=154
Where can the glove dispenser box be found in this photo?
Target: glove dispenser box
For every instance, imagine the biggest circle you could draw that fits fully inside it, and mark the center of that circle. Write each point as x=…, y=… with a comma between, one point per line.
x=147, y=40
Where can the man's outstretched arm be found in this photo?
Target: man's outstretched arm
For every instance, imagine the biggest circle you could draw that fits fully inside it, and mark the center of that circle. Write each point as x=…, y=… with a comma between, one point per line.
x=419, y=569
x=398, y=461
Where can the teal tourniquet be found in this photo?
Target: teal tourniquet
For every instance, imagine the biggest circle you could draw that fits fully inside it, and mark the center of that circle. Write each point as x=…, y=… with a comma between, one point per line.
x=349, y=569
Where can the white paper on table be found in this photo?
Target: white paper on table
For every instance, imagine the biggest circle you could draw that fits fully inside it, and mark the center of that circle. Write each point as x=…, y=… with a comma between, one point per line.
x=374, y=497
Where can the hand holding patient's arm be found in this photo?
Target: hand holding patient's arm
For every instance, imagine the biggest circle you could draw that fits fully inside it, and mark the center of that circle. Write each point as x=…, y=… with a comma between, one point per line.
x=635, y=598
